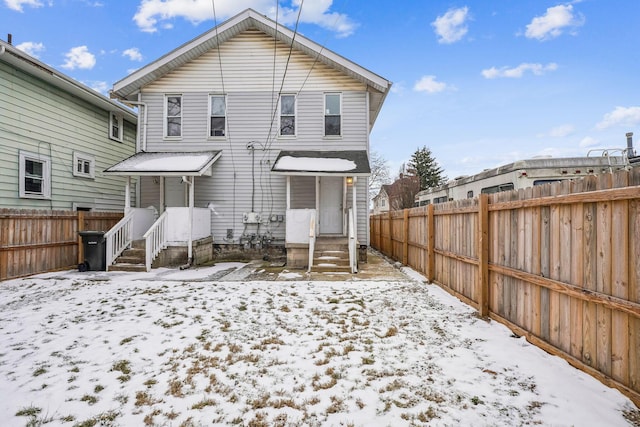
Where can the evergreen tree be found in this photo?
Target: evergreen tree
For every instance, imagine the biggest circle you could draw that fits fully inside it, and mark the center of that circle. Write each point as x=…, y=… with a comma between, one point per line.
x=424, y=165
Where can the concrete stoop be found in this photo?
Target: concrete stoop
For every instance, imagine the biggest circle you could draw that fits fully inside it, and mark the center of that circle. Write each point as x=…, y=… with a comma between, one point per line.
x=331, y=255
x=132, y=259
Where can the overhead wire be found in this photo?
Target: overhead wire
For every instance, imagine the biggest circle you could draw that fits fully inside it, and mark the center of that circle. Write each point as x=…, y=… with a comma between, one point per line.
x=233, y=164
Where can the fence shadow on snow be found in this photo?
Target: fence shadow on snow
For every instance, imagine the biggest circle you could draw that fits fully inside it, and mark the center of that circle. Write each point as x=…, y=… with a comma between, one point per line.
x=556, y=263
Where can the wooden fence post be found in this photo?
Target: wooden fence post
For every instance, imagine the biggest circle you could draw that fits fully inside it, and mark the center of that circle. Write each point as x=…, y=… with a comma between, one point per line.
x=483, y=255
x=431, y=244
x=80, y=228
x=389, y=251
x=405, y=238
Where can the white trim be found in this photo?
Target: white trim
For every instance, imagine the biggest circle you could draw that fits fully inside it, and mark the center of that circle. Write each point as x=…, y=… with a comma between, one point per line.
x=119, y=123
x=165, y=116
x=209, y=115
x=295, y=115
x=78, y=156
x=82, y=206
x=325, y=114
x=46, y=175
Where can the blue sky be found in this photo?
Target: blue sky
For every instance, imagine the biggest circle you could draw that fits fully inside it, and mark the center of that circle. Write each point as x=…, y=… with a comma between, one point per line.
x=479, y=82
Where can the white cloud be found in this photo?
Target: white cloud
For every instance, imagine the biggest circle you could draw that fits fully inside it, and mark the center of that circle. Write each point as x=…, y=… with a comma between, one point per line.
x=430, y=85
x=99, y=86
x=517, y=72
x=133, y=54
x=451, y=26
x=553, y=22
x=79, y=57
x=152, y=14
x=624, y=116
x=17, y=4
x=588, y=142
x=561, y=131
x=31, y=48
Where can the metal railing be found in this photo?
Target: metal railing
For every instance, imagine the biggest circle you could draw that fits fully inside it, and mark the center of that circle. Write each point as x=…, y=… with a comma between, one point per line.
x=312, y=239
x=155, y=239
x=119, y=238
x=353, y=256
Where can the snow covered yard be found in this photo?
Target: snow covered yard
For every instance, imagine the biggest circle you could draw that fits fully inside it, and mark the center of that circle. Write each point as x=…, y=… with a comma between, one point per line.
x=205, y=347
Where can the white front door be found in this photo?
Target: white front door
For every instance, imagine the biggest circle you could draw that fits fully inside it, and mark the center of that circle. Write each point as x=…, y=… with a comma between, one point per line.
x=330, y=217
x=175, y=194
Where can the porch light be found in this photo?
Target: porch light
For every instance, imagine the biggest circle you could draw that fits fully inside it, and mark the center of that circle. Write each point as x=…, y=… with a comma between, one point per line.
x=349, y=180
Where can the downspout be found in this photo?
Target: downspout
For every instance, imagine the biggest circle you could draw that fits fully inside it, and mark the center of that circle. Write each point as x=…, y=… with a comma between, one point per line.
x=141, y=141
x=190, y=225
x=2, y=50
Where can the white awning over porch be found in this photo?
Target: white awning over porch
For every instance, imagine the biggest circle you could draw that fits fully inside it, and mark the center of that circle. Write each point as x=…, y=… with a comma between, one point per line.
x=322, y=163
x=190, y=163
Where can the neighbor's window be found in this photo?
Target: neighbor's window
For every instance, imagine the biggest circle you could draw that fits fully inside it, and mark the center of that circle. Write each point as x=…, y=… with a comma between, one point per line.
x=287, y=115
x=35, y=176
x=115, y=126
x=173, y=116
x=332, y=115
x=217, y=115
x=83, y=165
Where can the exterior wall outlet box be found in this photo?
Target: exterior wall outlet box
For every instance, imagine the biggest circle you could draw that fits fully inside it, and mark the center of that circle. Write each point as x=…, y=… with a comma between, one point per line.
x=251, y=217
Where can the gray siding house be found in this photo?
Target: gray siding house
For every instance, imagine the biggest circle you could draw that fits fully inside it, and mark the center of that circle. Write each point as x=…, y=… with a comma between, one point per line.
x=259, y=130
x=56, y=138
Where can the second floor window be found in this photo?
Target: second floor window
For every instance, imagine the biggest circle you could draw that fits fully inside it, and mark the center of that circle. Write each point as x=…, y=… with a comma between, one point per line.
x=115, y=127
x=287, y=115
x=173, y=115
x=217, y=115
x=332, y=114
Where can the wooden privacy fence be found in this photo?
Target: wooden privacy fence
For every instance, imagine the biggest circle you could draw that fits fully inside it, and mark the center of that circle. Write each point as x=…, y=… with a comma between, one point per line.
x=558, y=264
x=37, y=241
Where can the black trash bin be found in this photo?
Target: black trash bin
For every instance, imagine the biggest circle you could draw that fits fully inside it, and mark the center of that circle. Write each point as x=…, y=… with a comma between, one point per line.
x=95, y=251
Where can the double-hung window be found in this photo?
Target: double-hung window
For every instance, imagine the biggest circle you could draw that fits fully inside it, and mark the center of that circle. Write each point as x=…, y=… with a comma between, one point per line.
x=115, y=126
x=83, y=165
x=217, y=116
x=34, y=175
x=173, y=116
x=332, y=114
x=287, y=115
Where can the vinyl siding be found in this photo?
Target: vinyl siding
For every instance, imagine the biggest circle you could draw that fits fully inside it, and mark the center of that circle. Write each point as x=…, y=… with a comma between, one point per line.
x=251, y=90
x=39, y=118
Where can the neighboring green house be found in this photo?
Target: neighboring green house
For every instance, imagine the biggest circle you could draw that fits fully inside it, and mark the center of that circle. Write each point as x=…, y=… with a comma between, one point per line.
x=56, y=137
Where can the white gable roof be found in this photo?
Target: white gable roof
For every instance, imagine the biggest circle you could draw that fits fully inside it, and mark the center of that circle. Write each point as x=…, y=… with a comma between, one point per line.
x=128, y=88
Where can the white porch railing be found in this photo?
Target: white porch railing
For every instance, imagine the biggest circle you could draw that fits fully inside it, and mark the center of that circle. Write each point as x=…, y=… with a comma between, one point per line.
x=312, y=239
x=353, y=256
x=119, y=238
x=156, y=239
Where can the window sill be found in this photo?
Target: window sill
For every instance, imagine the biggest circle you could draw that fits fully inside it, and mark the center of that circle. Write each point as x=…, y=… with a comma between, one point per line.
x=35, y=196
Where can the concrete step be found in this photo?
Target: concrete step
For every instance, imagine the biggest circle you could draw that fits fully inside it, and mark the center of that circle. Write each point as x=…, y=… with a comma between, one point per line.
x=132, y=259
x=329, y=268
x=127, y=267
x=122, y=259
x=333, y=260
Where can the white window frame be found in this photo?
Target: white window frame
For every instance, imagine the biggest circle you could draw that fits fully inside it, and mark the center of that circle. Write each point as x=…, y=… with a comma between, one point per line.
x=119, y=122
x=46, y=175
x=166, y=116
x=226, y=122
x=295, y=115
x=326, y=114
x=85, y=158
